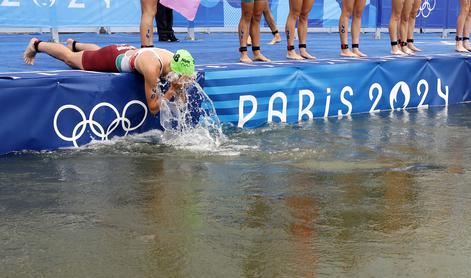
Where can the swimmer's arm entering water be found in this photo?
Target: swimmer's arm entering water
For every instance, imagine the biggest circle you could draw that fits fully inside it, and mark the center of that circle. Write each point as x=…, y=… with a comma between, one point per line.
x=153, y=94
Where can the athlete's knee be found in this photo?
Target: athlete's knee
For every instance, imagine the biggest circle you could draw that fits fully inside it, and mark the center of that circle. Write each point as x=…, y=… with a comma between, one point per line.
x=464, y=9
x=257, y=15
x=304, y=16
x=358, y=12
x=405, y=18
x=293, y=11
x=395, y=17
x=247, y=15
x=346, y=13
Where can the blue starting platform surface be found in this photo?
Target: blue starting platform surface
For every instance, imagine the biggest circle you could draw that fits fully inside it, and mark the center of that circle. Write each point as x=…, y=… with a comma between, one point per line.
x=49, y=106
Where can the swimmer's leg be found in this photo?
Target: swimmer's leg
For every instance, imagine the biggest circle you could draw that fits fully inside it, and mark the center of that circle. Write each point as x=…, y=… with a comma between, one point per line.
x=255, y=30
x=359, y=6
x=244, y=25
x=76, y=46
x=347, y=11
x=295, y=7
x=270, y=20
x=56, y=50
x=302, y=28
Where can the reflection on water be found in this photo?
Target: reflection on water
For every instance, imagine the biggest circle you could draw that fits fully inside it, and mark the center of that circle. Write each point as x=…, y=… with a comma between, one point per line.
x=384, y=195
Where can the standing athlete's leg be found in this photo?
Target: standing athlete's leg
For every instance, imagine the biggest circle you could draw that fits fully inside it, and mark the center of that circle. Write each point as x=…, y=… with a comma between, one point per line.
x=294, y=13
x=460, y=22
x=467, y=29
x=411, y=25
x=406, y=10
x=244, y=25
x=356, y=26
x=271, y=23
x=302, y=29
x=259, y=5
x=393, y=25
x=347, y=10
x=146, y=27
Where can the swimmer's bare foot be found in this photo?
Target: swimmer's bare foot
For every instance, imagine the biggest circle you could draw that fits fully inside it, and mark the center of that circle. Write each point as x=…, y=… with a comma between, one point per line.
x=347, y=53
x=276, y=39
x=407, y=50
x=397, y=51
x=305, y=54
x=460, y=48
x=30, y=52
x=413, y=47
x=244, y=58
x=467, y=45
x=292, y=55
x=259, y=57
x=359, y=53
x=69, y=44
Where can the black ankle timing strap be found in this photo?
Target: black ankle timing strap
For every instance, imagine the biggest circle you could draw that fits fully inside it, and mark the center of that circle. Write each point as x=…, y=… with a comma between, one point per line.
x=36, y=44
x=410, y=40
x=394, y=43
x=344, y=46
x=275, y=32
x=458, y=38
x=255, y=48
x=355, y=45
x=243, y=49
x=74, y=48
x=290, y=47
x=465, y=38
x=302, y=45
x=144, y=46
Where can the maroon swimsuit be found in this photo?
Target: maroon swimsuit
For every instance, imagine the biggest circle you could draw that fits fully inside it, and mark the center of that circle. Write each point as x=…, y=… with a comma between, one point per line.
x=104, y=59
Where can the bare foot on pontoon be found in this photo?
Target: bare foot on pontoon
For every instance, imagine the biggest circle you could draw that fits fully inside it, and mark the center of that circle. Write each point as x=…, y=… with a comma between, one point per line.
x=359, y=53
x=30, y=52
x=413, y=47
x=398, y=52
x=276, y=39
x=467, y=45
x=407, y=50
x=348, y=53
x=292, y=55
x=460, y=48
x=259, y=57
x=303, y=52
x=244, y=58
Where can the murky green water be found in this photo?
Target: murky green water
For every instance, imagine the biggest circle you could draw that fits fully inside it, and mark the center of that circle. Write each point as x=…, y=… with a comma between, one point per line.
x=385, y=195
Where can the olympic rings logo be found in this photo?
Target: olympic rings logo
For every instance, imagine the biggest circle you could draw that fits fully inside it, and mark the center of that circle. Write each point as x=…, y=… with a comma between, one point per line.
x=426, y=8
x=95, y=126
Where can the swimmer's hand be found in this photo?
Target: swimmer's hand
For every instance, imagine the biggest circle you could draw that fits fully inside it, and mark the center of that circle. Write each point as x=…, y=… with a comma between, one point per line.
x=180, y=86
x=180, y=91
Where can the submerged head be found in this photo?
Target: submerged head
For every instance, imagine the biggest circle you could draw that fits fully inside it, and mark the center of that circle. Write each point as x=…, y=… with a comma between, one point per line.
x=183, y=63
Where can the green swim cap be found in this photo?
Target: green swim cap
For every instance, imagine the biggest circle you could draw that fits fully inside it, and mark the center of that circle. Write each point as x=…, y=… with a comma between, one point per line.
x=183, y=63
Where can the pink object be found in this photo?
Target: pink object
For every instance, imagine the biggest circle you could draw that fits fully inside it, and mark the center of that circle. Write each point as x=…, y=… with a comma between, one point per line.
x=187, y=8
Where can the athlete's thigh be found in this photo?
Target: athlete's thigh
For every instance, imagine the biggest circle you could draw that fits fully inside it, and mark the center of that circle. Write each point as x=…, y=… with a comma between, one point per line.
x=149, y=5
x=307, y=6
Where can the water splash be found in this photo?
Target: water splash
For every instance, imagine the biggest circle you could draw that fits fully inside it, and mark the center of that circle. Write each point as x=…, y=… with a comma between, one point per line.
x=193, y=123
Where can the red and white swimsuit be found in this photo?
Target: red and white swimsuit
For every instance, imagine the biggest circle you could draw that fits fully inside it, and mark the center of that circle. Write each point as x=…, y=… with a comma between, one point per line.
x=105, y=59
x=115, y=58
